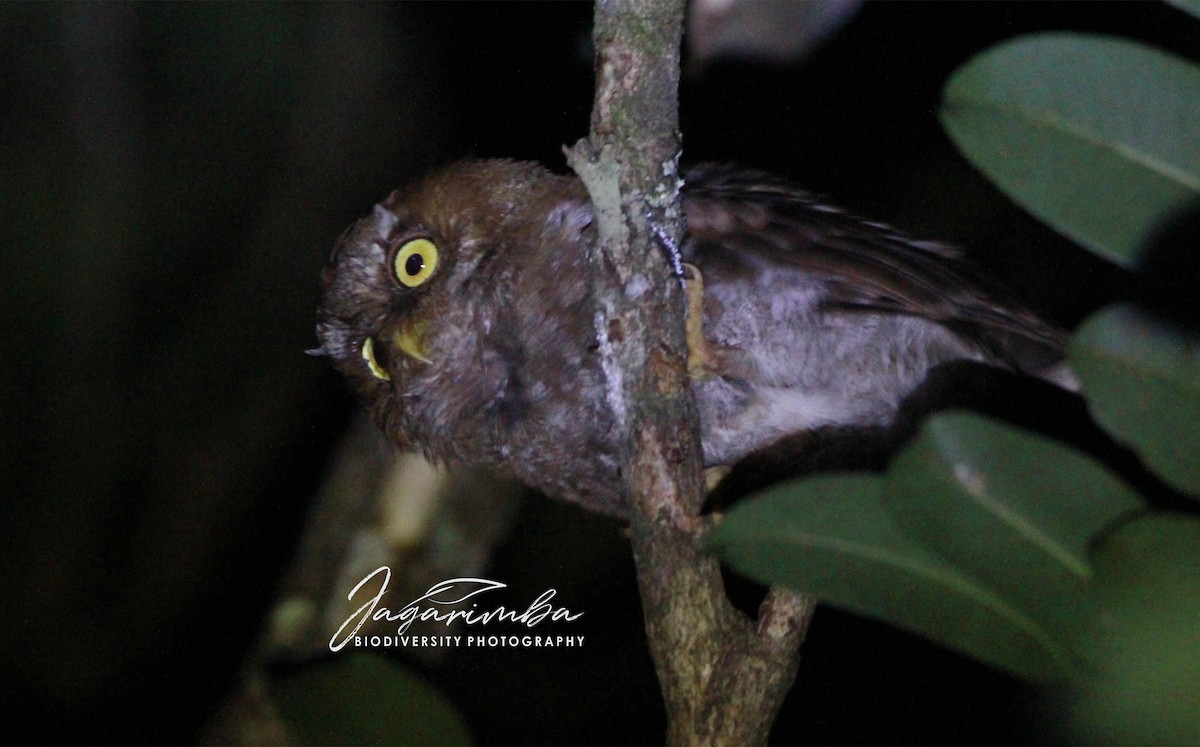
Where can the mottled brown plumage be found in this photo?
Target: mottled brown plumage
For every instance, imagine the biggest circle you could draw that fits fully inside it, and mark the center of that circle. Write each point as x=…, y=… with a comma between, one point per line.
x=459, y=311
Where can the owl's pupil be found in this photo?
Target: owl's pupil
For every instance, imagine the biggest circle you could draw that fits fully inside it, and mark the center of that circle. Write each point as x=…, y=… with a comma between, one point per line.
x=414, y=264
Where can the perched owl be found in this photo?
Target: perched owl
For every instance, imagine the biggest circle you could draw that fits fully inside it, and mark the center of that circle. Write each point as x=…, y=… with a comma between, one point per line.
x=459, y=310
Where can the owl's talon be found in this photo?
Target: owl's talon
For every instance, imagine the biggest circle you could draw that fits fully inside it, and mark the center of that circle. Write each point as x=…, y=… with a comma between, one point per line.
x=701, y=362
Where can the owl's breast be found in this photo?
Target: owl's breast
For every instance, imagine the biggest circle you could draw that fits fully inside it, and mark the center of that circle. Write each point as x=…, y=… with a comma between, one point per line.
x=785, y=362
x=514, y=384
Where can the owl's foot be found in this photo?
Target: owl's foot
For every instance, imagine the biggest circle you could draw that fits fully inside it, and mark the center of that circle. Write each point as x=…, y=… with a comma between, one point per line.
x=702, y=364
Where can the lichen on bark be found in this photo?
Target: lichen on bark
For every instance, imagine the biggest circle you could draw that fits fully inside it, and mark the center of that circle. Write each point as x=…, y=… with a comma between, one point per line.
x=723, y=677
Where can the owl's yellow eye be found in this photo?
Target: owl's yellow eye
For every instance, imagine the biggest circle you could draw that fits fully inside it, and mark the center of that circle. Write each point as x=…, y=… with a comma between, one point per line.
x=415, y=262
x=368, y=354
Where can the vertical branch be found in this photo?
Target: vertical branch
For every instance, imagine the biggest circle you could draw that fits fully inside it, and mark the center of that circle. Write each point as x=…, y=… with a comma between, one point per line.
x=723, y=678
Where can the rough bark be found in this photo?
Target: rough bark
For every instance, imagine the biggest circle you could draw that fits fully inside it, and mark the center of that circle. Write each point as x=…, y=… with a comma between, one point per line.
x=723, y=677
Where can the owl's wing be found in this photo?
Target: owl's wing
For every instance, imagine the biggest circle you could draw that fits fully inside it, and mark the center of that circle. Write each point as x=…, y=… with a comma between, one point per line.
x=748, y=219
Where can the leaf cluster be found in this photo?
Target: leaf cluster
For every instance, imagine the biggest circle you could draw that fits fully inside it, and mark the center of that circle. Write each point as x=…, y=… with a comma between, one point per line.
x=1000, y=542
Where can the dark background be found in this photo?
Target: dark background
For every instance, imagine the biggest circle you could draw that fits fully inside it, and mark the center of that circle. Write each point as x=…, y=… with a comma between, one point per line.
x=171, y=179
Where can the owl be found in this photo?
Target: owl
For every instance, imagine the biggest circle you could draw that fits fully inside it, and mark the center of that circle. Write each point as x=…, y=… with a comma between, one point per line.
x=459, y=310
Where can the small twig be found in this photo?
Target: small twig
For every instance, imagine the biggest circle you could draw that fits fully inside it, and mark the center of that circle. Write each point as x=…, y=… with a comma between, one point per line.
x=723, y=680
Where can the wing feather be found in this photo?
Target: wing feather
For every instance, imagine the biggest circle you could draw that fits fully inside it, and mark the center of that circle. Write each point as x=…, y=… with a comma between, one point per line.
x=862, y=265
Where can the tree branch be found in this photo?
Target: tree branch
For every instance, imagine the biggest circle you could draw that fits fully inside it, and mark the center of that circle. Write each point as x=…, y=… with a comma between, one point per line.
x=722, y=677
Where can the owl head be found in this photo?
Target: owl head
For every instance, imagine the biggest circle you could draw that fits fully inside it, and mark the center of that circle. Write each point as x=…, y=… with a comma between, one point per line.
x=454, y=299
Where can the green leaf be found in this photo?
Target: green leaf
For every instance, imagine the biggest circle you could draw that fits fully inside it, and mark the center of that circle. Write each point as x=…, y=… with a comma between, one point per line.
x=1012, y=509
x=361, y=699
x=833, y=538
x=1147, y=590
x=1096, y=136
x=1142, y=382
x=1191, y=7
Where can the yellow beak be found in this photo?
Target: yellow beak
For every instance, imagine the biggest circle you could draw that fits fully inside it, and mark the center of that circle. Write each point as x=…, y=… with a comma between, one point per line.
x=410, y=338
